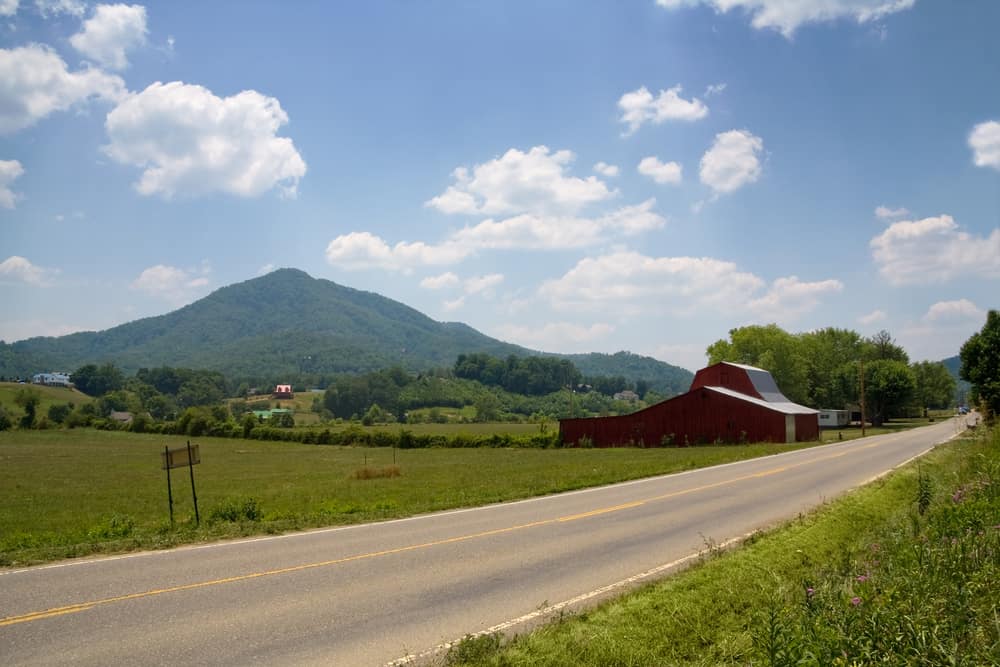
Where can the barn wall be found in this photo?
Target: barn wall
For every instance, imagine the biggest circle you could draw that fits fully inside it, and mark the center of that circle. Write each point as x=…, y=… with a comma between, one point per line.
x=700, y=416
x=724, y=375
x=806, y=428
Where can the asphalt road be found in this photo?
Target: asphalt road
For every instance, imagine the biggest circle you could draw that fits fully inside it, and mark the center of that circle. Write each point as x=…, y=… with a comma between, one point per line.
x=375, y=593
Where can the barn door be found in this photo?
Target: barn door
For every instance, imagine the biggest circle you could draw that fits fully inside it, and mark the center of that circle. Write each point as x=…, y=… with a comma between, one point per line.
x=789, y=428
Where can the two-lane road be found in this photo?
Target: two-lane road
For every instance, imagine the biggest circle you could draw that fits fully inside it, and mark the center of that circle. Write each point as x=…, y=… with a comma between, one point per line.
x=369, y=594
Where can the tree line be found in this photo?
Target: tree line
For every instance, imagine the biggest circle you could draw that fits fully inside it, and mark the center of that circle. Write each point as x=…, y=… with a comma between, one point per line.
x=823, y=369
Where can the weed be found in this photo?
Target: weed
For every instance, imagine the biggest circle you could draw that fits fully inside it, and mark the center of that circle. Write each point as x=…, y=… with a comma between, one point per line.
x=376, y=473
x=115, y=527
x=234, y=510
x=474, y=649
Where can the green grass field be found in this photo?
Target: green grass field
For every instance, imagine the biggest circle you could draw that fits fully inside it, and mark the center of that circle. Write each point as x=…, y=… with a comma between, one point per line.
x=74, y=492
x=48, y=396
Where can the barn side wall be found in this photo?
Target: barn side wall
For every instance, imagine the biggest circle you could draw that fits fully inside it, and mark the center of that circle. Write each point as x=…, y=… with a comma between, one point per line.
x=700, y=416
x=724, y=375
x=806, y=428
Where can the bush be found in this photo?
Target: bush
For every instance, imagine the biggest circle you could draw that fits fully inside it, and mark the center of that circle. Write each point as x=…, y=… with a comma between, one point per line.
x=234, y=510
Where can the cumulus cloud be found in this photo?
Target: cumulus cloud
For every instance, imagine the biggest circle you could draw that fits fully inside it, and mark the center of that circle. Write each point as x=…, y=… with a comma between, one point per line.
x=873, y=317
x=49, y=8
x=556, y=335
x=518, y=182
x=190, y=142
x=110, y=32
x=640, y=106
x=363, y=250
x=552, y=233
x=786, y=16
x=661, y=172
x=715, y=89
x=886, y=213
x=934, y=250
x=961, y=309
x=8, y=7
x=787, y=298
x=627, y=282
x=478, y=284
x=10, y=170
x=985, y=143
x=605, y=169
x=177, y=286
x=442, y=281
x=35, y=82
x=732, y=162
x=18, y=269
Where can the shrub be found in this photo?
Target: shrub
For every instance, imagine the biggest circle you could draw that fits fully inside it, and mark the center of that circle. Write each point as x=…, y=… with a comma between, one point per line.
x=234, y=510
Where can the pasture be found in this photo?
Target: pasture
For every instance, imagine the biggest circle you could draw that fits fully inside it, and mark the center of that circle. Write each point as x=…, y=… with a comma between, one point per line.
x=75, y=492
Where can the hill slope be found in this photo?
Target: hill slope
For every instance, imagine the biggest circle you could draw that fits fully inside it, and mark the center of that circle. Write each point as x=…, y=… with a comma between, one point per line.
x=286, y=323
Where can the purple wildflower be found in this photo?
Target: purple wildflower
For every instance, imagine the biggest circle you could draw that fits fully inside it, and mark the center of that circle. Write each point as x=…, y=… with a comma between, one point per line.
x=855, y=601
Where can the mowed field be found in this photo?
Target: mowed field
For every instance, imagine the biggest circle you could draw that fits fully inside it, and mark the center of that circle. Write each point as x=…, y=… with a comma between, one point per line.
x=75, y=492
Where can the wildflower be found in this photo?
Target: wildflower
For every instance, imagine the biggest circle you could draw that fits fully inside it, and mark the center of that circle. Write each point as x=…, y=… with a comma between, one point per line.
x=810, y=592
x=855, y=601
x=862, y=578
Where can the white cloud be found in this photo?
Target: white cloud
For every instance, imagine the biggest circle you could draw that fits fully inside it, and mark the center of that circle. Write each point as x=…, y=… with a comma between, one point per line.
x=732, y=162
x=640, y=107
x=961, y=309
x=627, y=283
x=49, y=8
x=363, y=250
x=985, y=143
x=10, y=170
x=178, y=286
x=267, y=268
x=34, y=82
x=8, y=7
x=454, y=305
x=873, y=317
x=18, y=269
x=787, y=15
x=560, y=336
x=442, y=281
x=605, y=169
x=661, y=172
x=789, y=298
x=484, y=283
x=886, y=213
x=110, y=32
x=934, y=250
x=519, y=182
x=191, y=142
x=715, y=89
x=550, y=233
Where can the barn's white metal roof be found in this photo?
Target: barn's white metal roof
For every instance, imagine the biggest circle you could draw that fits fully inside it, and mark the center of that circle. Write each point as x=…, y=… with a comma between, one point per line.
x=784, y=407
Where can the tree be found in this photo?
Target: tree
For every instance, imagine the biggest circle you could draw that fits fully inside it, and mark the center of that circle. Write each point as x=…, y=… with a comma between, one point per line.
x=883, y=346
x=96, y=380
x=28, y=399
x=771, y=348
x=889, y=385
x=831, y=356
x=981, y=364
x=935, y=387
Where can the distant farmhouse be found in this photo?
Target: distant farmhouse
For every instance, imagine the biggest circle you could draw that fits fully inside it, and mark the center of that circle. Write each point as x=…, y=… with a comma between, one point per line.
x=51, y=379
x=726, y=403
x=283, y=391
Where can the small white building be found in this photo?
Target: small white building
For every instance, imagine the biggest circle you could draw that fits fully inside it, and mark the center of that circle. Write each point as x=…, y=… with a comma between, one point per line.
x=834, y=418
x=51, y=379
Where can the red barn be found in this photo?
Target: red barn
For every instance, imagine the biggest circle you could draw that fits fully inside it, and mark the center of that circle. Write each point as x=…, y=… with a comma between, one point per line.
x=727, y=402
x=283, y=391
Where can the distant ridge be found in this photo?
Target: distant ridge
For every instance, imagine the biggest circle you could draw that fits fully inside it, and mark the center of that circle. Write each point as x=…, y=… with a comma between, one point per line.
x=288, y=323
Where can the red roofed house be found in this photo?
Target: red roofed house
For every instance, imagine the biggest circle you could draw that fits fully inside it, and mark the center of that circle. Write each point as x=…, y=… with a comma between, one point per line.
x=727, y=402
x=283, y=391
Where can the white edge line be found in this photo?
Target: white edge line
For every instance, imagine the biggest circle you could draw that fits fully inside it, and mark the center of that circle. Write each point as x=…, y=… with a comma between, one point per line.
x=333, y=529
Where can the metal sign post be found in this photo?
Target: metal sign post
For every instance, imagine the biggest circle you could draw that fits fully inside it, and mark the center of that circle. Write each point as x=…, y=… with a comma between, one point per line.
x=177, y=458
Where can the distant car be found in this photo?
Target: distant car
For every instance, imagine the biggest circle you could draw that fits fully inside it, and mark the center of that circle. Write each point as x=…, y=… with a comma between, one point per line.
x=962, y=410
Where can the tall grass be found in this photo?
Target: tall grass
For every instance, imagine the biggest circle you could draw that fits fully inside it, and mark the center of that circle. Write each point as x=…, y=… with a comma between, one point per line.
x=870, y=579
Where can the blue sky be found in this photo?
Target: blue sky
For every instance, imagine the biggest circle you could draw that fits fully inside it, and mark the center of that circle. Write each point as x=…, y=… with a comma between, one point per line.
x=569, y=176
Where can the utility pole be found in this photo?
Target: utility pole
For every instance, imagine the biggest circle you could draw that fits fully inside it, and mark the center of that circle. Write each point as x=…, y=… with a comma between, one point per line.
x=862, y=397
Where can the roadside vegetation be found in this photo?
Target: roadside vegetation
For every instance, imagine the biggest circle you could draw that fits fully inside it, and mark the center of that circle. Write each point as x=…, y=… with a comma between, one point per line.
x=902, y=572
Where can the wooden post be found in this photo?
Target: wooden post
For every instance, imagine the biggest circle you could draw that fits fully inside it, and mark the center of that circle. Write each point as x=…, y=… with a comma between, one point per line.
x=194, y=495
x=170, y=491
x=862, y=398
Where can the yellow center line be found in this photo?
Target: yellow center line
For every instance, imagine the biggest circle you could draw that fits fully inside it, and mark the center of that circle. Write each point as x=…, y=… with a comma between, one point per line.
x=84, y=606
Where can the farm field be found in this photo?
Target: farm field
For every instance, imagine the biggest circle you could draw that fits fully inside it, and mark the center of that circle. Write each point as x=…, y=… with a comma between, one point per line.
x=48, y=395
x=81, y=491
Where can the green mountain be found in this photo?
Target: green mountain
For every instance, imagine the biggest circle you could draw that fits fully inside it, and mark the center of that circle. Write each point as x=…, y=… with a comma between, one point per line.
x=287, y=324
x=954, y=364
